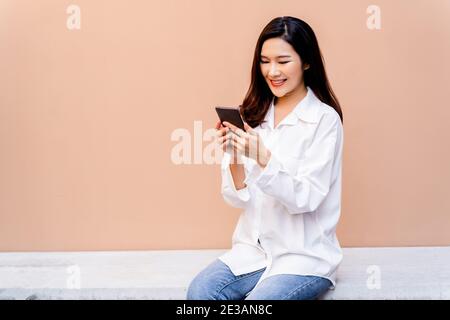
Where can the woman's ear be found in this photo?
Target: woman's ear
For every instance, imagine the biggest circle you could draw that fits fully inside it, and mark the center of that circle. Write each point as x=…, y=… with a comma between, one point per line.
x=306, y=66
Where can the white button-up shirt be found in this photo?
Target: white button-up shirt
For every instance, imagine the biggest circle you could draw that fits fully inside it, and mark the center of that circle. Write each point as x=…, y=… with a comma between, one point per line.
x=292, y=206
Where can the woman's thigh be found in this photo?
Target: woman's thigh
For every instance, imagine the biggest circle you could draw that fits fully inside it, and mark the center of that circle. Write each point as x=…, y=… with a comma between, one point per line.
x=217, y=282
x=290, y=287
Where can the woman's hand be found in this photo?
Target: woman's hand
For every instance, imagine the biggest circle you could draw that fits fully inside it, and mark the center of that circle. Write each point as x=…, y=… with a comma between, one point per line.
x=248, y=143
x=221, y=135
x=223, y=140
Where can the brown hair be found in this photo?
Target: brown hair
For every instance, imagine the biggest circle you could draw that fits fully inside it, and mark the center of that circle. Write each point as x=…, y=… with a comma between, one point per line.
x=302, y=38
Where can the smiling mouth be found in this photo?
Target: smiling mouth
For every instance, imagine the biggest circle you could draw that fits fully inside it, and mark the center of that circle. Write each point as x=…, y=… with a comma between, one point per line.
x=277, y=83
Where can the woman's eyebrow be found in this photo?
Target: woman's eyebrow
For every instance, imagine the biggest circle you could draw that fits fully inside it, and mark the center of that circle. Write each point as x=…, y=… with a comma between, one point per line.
x=282, y=56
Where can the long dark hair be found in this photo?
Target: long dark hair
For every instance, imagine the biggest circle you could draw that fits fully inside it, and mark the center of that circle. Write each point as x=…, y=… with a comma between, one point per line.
x=302, y=38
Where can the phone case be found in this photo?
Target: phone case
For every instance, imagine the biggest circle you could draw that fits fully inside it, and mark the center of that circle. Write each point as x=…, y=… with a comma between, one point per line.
x=231, y=115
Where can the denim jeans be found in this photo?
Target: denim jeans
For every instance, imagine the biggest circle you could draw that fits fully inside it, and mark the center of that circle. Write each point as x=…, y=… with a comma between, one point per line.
x=217, y=282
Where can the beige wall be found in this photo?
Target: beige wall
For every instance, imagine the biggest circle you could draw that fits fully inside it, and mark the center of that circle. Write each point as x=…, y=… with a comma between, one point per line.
x=86, y=118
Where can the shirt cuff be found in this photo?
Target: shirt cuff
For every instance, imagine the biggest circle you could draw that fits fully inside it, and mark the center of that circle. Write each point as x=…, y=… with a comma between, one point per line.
x=269, y=172
x=254, y=170
x=243, y=194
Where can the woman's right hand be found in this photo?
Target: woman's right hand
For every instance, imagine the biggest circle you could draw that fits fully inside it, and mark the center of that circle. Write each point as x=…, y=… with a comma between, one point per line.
x=222, y=136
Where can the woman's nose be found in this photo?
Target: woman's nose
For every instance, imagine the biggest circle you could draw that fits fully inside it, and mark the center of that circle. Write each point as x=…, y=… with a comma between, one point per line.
x=273, y=72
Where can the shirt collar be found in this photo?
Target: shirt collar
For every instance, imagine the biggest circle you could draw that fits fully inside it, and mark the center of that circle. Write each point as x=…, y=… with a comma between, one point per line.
x=306, y=110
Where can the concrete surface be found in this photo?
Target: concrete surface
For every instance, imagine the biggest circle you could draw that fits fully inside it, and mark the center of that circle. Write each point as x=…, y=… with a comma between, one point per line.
x=365, y=273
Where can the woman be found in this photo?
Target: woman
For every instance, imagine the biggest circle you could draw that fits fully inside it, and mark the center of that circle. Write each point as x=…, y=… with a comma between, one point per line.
x=284, y=170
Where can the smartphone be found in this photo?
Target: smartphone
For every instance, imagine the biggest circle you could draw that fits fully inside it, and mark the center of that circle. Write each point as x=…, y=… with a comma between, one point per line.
x=231, y=115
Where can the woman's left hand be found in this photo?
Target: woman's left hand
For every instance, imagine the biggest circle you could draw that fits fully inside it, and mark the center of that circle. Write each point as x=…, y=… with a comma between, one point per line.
x=248, y=143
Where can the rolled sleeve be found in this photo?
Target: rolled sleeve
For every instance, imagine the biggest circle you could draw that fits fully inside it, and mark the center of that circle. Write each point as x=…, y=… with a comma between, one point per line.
x=236, y=198
x=253, y=171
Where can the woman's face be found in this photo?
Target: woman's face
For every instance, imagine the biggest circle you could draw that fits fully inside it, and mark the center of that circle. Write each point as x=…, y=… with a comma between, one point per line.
x=281, y=67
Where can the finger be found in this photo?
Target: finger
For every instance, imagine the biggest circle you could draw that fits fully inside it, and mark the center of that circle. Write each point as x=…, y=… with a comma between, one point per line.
x=241, y=148
x=223, y=138
x=221, y=132
x=229, y=125
x=239, y=139
x=241, y=142
x=219, y=125
x=220, y=139
x=234, y=129
x=224, y=141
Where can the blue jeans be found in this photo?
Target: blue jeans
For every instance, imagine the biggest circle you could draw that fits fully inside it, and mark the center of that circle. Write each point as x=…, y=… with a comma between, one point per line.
x=217, y=282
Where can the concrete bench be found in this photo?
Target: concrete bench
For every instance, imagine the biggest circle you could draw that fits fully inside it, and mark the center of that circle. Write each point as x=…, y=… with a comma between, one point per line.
x=365, y=273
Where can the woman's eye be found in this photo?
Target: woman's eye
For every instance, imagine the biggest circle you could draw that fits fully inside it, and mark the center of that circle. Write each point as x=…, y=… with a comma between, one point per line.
x=281, y=62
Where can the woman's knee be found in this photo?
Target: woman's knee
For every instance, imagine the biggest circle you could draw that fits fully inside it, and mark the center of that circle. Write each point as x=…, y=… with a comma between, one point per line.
x=205, y=285
x=200, y=289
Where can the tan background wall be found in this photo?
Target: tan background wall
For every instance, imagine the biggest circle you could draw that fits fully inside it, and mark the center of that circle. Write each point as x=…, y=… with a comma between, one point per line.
x=86, y=118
